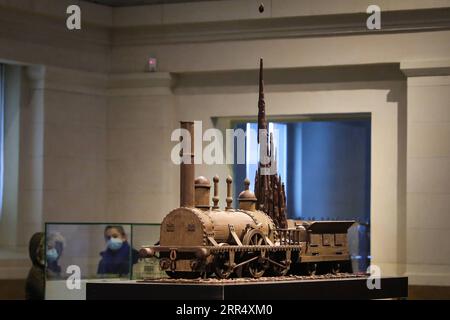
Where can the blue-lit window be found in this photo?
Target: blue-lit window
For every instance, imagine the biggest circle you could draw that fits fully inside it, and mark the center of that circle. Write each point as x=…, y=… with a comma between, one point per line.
x=279, y=131
x=325, y=166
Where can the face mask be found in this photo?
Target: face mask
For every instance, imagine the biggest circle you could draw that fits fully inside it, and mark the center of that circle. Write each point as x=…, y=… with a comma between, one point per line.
x=52, y=255
x=114, y=243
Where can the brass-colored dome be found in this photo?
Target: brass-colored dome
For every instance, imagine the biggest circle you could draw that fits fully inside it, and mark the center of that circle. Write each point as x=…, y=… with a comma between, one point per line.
x=202, y=181
x=247, y=195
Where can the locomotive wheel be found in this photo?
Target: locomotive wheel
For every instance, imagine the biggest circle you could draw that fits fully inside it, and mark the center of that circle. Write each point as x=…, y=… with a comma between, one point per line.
x=255, y=237
x=221, y=267
x=280, y=271
x=311, y=268
x=336, y=267
x=256, y=269
x=277, y=270
x=220, y=263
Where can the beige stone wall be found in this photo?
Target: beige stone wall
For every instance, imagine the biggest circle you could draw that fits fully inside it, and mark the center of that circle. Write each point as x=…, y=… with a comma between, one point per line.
x=142, y=183
x=74, y=146
x=62, y=174
x=428, y=184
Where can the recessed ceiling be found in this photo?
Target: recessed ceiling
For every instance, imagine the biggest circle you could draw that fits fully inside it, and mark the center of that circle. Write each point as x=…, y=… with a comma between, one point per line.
x=129, y=3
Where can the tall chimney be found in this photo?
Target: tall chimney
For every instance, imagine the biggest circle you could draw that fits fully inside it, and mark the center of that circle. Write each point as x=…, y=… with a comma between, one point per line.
x=187, y=170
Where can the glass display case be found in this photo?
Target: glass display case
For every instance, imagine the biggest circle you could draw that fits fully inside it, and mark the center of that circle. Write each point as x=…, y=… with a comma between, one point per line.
x=359, y=246
x=148, y=268
x=80, y=252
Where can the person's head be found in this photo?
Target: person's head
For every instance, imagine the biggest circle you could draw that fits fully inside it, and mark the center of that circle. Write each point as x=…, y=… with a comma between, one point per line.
x=115, y=236
x=55, y=246
x=36, y=249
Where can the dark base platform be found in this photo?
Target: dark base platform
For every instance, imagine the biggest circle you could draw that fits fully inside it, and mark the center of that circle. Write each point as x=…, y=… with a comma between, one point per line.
x=354, y=288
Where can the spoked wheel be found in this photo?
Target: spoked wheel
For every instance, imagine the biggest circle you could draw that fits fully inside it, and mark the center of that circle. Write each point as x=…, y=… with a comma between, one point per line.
x=280, y=271
x=311, y=268
x=278, y=265
x=256, y=269
x=258, y=266
x=221, y=267
x=336, y=267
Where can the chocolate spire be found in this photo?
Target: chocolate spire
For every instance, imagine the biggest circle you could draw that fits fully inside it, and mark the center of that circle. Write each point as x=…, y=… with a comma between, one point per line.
x=269, y=189
x=262, y=123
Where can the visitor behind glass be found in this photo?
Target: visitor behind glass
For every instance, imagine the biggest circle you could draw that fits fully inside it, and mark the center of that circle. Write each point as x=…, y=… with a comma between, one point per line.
x=116, y=256
x=35, y=284
x=55, y=247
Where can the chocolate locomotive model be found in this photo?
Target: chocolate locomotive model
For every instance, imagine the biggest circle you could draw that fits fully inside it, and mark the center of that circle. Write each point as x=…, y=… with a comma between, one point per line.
x=197, y=239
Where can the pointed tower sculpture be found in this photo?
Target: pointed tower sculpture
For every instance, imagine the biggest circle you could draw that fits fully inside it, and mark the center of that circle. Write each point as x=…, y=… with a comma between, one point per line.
x=269, y=189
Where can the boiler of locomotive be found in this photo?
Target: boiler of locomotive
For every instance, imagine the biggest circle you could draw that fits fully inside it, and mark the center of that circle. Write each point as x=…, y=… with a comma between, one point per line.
x=205, y=226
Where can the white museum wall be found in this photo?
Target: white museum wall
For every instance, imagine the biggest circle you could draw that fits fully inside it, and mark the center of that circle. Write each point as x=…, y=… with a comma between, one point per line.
x=297, y=52
x=142, y=181
x=428, y=184
x=74, y=146
x=62, y=152
x=61, y=140
x=34, y=32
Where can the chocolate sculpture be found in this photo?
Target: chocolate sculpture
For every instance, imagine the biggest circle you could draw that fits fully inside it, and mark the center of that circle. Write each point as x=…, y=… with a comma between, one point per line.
x=269, y=190
x=198, y=239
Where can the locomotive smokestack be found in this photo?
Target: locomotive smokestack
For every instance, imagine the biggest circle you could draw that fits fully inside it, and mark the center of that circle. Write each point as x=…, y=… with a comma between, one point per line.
x=187, y=170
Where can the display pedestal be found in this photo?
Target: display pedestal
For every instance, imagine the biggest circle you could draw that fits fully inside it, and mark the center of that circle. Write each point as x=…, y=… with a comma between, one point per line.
x=354, y=288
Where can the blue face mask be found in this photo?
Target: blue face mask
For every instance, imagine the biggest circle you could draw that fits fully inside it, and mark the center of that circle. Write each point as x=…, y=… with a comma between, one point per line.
x=52, y=255
x=114, y=243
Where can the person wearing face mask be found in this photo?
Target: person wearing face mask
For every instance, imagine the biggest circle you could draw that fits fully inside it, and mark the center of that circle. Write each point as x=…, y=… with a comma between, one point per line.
x=55, y=247
x=116, y=257
x=44, y=260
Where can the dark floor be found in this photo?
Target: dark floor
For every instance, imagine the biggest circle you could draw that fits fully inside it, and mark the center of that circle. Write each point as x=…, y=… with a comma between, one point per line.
x=15, y=289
